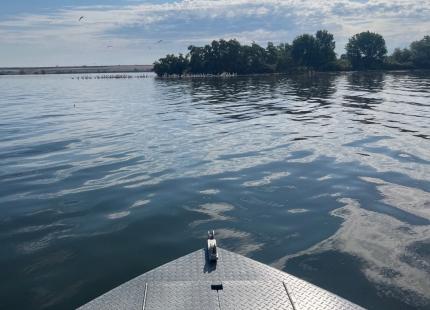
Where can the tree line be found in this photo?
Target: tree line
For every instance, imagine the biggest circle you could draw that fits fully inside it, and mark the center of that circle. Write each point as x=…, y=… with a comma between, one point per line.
x=364, y=51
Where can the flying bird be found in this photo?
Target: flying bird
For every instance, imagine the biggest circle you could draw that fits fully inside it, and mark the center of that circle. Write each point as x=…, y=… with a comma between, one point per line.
x=81, y=18
x=159, y=41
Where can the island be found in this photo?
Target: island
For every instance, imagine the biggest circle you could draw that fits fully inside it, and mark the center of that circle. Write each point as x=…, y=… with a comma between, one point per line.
x=310, y=53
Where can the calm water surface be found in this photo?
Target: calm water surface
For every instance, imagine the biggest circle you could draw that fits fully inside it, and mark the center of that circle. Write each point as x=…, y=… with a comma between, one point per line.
x=327, y=178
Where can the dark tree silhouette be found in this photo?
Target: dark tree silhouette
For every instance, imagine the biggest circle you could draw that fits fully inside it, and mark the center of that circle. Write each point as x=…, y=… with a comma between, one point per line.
x=314, y=52
x=366, y=50
x=326, y=45
x=285, y=61
x=401, y=56
x=420, y=53
x=305, y=51
x=171, y=64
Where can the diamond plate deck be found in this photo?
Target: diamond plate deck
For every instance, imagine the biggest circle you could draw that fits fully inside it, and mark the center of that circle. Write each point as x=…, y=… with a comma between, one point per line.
x=185, y=284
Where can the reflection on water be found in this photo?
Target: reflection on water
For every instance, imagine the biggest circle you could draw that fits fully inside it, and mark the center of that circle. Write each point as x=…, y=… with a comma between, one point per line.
x=326, y=177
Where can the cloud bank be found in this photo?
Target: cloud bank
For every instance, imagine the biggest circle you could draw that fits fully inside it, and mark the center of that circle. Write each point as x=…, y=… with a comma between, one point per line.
x=130, y=32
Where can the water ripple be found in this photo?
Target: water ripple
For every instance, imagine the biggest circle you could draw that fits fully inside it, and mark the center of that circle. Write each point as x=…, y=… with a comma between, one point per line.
x=299, y=171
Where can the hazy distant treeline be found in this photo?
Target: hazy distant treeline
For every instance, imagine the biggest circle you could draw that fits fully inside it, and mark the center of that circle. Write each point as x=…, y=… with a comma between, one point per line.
x=75, y=69
x=364, y=51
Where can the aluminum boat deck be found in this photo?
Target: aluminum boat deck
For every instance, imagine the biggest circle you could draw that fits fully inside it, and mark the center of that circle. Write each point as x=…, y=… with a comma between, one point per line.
x=233, y=282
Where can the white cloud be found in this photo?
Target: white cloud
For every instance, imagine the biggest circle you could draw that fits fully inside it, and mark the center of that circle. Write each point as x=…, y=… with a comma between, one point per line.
x=197, y=20
x=382, y=243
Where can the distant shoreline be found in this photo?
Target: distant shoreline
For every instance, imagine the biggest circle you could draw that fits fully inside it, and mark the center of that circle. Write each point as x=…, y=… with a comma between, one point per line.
x=75, y=69
x=309, y=73
x=149, y=68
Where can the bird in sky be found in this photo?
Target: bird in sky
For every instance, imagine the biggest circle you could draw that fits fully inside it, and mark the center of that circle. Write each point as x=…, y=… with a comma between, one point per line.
x=81, y=18
x=159, y=41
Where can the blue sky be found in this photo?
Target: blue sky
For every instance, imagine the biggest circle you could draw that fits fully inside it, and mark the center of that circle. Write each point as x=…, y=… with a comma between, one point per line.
x=48, y=32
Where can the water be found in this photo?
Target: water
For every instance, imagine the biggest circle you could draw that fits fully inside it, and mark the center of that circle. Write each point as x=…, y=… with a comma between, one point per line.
x=327, y=178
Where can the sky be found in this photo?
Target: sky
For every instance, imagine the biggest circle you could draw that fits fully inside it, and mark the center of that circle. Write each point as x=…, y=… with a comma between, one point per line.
x=49, y=32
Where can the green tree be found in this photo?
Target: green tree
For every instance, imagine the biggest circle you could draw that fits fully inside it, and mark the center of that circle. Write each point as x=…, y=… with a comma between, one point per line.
x=305, y=50
x=212, y=57
x=315, y=52
x=197, y=59
x=326, y=46
x=171, y=64
x=229, y=55
x=366, y=50
x=272, y=54
x=253, y=59
x=401, y=56
x=399, y=59
x=420, y=51
x=285, y=61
